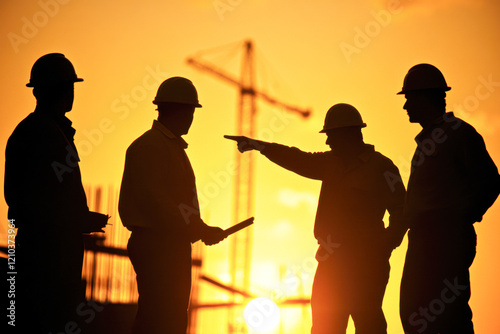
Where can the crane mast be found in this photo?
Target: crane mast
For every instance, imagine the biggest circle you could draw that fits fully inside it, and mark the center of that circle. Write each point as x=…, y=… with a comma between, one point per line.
x=243, y=204
x=244, y=185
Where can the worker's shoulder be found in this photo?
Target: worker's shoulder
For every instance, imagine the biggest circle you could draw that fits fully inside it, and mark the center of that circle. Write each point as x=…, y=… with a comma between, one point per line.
x=381, y=160
x=29, y=123
x=458, y=126
x=30, y=128
x=152, y=139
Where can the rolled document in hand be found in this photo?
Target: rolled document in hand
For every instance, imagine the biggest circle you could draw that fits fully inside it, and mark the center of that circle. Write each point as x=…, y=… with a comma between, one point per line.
x=239, y=226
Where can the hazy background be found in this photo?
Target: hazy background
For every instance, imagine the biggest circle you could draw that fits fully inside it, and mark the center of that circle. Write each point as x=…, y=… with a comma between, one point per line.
x=311, y=54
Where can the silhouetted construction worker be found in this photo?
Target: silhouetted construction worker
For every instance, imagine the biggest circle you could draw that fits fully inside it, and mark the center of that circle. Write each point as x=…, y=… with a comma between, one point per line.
x=453, y=182
x=359, y=185
x=44, y=192
x=159, y=204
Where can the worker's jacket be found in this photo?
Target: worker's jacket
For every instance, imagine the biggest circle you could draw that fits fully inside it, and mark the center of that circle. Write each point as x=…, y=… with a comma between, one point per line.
x=353, y=198
x=43, y=186
x=158, y=187
x=452, y=177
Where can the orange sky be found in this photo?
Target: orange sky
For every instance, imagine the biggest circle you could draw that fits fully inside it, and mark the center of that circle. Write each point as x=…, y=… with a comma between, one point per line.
x=312, y=54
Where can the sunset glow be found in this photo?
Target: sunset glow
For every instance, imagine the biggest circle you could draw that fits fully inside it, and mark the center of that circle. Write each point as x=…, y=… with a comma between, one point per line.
x=308, y=54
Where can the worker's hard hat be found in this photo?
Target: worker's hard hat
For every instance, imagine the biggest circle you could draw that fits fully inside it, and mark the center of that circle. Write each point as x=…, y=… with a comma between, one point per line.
x=342, y=115
x=178, y=90
x=424, y=77
x=52, y=68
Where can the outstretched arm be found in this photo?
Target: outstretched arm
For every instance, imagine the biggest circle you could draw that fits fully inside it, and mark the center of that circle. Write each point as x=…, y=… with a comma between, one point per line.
x=310, y=165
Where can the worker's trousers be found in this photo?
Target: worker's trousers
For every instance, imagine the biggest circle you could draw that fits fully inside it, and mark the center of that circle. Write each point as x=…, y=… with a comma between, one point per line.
x=163, y=268
x=435, y=288
x=349, y=284
x=48, y=281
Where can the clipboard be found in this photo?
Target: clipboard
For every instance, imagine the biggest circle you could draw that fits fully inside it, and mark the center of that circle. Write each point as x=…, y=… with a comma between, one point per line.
x=239, y=226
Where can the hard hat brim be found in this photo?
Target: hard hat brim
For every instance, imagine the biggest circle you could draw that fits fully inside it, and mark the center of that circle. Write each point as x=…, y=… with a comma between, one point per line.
x=33, y=84
x=414, y=90
x=196, y=105
x=338, y=127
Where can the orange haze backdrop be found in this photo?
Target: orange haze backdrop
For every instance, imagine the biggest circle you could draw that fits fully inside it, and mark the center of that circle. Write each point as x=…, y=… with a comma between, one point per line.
x=309, y=53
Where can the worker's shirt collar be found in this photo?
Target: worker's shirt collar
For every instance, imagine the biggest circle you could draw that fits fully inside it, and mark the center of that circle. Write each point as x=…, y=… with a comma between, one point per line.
x=366, y=153
x=437, y=122
x=163, y=129
x=62, y=122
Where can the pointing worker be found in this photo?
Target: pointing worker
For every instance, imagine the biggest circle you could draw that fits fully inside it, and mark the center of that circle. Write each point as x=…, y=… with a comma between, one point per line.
x=159, y=204
x=358, y=185
x=453, y=182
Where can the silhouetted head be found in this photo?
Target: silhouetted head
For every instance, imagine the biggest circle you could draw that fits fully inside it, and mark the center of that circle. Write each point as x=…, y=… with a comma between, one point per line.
x=345, y=141
x=425, y=90
x=343, y=125
x=177, y=117
x=56, y=98
x=52, y=78
x=177, y=99
x=424, y=106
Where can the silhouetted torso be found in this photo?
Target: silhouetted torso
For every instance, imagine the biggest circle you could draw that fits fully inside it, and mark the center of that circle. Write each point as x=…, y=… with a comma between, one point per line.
x=158, y=187
x=43, y=180
x=452, y=174
x=354, y=195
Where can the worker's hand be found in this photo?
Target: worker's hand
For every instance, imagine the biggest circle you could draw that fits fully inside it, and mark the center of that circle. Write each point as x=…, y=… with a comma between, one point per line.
x=213, y=235
x=246, y=144
x=94, y=222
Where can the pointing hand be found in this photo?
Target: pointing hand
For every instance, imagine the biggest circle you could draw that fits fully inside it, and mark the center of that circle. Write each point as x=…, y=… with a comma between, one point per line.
x=246, y=144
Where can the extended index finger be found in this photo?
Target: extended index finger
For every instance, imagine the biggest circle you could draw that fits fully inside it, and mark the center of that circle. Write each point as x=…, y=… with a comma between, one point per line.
x=236, y=138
